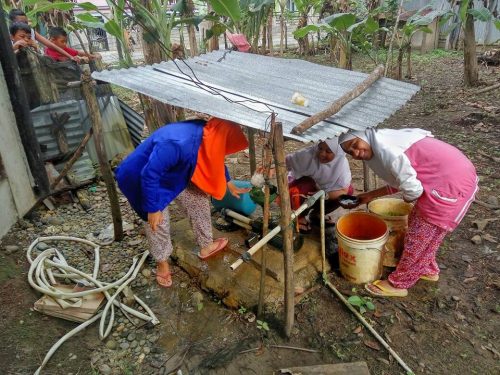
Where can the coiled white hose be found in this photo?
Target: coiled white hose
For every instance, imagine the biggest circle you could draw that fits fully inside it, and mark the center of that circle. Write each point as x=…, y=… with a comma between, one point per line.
x=50, y=265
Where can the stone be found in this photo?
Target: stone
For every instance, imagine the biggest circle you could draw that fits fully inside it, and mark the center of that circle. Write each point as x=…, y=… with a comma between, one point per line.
x=120, y=327
x=131, y=336
x=55, y=220
x=134, y=344
x=105, y=369
x=124, y=345
x=142, y=342
x=146, y=272
x=146, y=350
x=197, y=298
x=476, y=240
x=9, y=249
x=492, y=200
x=455, y=298
x=111, y=344
x=42, y=246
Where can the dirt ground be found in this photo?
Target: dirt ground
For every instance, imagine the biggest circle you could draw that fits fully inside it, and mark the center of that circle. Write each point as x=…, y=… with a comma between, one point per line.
x=448, y=327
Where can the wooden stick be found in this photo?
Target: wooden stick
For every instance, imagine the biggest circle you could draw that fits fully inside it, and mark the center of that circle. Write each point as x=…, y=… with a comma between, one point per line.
x=88, y=93
x=486, y=89
x=251, y=150
x=265, y=219
x=76, y=155
x=293, y=348
x=339, y=103
x=285, y=223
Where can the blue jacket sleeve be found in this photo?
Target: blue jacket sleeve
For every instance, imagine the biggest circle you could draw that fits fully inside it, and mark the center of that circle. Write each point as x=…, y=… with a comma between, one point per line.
x=228, y=176
x=164, y=156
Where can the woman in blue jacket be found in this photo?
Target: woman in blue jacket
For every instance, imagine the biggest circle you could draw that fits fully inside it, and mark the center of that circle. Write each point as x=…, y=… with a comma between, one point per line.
x=183, y=161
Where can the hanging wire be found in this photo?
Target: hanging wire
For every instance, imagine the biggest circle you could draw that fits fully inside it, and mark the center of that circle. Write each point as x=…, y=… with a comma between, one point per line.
x=192, y=76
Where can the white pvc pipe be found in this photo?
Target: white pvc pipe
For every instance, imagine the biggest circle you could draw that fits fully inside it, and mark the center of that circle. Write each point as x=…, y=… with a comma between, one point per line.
x=308, y=203
x=237, y=216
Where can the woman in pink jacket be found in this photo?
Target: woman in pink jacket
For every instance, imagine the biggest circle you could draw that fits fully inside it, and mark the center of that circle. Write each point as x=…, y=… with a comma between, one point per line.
x=435, y=175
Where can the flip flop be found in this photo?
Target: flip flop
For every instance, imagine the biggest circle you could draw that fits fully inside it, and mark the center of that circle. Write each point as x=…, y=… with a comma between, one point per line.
x=167, y=277
x=221, y=244
x=429, y=277
x=383, y=291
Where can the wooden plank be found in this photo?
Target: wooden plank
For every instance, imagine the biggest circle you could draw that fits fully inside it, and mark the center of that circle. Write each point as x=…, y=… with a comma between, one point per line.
x=354, y=368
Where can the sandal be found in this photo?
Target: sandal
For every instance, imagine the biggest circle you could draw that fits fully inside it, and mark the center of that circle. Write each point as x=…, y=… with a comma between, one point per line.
x=220, y=243
x=429, y=277
x=164, y=280
x=378, y=290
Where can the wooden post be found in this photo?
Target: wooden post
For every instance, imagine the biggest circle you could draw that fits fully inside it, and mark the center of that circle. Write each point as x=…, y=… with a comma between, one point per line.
x=268, y=158
x=339, y=103
x=78, y=152
x=88, y=93
x=285, y=223
x=367, y=181
x=251, y=150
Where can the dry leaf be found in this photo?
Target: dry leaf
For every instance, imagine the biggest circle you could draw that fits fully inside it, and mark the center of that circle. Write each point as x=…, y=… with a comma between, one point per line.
x=372, y=344
x=357, y=330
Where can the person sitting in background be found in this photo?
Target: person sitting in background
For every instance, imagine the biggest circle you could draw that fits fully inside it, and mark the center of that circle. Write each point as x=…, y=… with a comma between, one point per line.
x=320, y=166
x=17, y=15
x=20, y=35
x=59, y=37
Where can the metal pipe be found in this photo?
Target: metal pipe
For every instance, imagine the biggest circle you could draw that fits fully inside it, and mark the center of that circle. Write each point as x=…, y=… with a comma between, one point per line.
x=235, y=215
x=243, y=225
x=249, y=253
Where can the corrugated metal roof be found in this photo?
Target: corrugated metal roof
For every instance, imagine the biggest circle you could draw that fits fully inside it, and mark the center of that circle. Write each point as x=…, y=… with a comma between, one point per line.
x=257, y=79
x=135, y=123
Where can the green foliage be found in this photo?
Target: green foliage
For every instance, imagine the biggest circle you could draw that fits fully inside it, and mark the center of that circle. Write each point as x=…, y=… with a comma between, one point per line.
x=362, y=303
x=88, y=7
x=228, y=8
x=242, y=310
x=262, y=325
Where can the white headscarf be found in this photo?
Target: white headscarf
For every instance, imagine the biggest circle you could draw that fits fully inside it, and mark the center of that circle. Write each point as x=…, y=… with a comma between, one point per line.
x=387, y=145
x=331, y=176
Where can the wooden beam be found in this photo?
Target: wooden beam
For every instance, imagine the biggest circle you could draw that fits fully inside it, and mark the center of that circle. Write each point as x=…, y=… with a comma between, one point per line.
x=339, y=103
x=285, y=223
x=76, y=155
x=268, y=158
x=88, y=93
x=251, y=150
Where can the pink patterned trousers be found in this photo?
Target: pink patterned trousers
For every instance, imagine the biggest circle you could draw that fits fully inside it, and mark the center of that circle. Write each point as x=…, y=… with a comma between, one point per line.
x=421, y=243
x=196, y=205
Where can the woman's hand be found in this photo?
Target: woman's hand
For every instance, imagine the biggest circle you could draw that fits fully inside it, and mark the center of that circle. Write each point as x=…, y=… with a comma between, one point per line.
x=235, y=190
x=364, y=198
x=155, y=219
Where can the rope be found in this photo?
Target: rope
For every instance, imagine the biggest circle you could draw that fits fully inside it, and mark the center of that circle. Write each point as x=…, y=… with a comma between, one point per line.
x=50, y=265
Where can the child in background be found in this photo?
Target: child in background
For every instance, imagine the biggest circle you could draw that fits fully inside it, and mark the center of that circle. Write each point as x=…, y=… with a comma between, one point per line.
x=17, y=15
x=60, y=38
x=20, y=35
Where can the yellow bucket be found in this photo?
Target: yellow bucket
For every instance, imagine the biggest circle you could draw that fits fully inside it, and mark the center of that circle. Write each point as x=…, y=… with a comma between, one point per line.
x=361, y=237
x=395, y=213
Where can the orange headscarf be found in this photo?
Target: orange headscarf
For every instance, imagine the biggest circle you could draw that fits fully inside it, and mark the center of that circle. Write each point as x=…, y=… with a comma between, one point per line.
x=220, y=138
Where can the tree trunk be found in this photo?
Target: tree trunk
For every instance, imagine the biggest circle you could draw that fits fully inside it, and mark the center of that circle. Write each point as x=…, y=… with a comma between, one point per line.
x=264, y=39
x=270, y=31
x=333, y=47
x=303, y=42
x=156, y=113
x=409, y=72
x=193, y=47
x=400, y=63
x=471, y=77
x=282, y=33
x=343, y=58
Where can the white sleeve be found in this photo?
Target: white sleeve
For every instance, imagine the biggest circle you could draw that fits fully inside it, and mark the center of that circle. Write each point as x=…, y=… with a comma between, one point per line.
x=406, y=177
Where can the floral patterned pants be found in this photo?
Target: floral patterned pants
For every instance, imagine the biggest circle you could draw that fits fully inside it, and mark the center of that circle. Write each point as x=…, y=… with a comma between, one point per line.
x=421, y=243
x=196, y=205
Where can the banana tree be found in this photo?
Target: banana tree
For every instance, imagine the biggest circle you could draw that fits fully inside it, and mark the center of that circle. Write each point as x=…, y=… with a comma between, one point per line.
x=352, y=35
x=420, y=21
x=304, y=7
